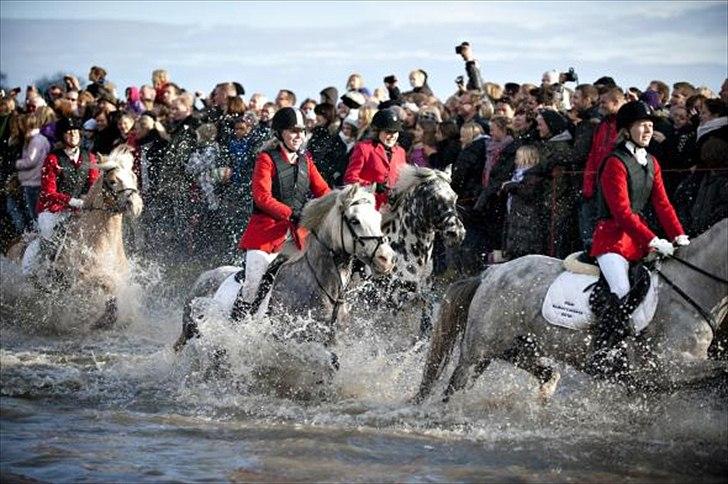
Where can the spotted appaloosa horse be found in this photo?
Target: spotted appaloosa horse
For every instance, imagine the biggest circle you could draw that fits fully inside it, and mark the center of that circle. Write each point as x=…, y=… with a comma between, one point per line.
x=422, y=205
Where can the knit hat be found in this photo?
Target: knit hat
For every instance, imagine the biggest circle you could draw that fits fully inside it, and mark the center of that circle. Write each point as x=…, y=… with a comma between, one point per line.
x=555, y=121
x=353, y=99
x=411, y=107
x=90, y=125
x=352, y=121
x=651, y=98
x=329, y=95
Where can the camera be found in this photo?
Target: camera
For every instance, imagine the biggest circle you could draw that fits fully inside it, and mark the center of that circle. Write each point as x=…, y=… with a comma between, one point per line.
x=459, y=48
x=390, y=79
x=569, y=76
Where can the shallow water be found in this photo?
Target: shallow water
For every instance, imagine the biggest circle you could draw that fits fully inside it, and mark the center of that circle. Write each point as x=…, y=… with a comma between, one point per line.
x=121, y=406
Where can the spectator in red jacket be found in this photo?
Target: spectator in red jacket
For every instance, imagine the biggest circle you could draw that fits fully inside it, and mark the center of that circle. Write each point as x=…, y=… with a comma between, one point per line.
x=284, y=177
x=378, y=161
x=603, y=142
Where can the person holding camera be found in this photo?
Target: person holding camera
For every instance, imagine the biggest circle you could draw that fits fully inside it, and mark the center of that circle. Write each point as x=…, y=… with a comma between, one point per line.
x=472, y=67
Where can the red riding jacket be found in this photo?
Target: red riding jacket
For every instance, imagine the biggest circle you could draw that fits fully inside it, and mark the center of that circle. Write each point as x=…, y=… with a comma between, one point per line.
x=52, y=174
x=268, y=226
x=626, y=233
x=369, y=164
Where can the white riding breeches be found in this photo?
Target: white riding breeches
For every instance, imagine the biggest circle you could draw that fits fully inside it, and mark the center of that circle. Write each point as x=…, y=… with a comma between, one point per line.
x=616, y=271
x=256, y=263
x=47, y=222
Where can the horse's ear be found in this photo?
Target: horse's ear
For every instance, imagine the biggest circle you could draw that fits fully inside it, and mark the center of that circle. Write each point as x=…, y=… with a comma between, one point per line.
x=103, y=163
x=372, y=188
x=448, y=170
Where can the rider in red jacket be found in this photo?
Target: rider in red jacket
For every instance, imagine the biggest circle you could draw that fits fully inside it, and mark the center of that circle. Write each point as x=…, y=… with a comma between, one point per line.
x=284, y=178
x=66, y=176
x=629, y=180
x=378, y=161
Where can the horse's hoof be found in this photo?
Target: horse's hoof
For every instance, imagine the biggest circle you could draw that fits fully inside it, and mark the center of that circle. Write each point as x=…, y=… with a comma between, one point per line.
x=547, y=389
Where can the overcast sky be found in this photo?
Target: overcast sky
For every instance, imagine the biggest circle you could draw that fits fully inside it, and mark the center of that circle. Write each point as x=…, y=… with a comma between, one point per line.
x=306, y=46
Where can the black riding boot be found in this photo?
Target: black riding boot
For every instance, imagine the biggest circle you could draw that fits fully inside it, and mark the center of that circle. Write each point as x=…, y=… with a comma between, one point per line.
x=609, y=359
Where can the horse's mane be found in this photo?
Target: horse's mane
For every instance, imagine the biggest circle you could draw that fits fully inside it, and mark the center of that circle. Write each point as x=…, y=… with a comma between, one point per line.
x=411, y=177
x=316, y=210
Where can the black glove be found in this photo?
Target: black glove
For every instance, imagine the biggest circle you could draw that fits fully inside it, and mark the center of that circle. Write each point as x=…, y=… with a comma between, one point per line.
x=295, y=217
x=381, y=187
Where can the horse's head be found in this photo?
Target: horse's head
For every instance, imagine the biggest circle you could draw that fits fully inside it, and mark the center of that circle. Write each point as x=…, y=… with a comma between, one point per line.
x=433, y=200
x=352, y=225
x=119, y=187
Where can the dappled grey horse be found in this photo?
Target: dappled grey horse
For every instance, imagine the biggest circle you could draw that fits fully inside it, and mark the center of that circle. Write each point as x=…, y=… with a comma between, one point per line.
x=498, y=315
x=344, y=225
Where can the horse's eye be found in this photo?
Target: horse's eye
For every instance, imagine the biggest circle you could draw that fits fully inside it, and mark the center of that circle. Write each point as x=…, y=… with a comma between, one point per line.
x=354, y=221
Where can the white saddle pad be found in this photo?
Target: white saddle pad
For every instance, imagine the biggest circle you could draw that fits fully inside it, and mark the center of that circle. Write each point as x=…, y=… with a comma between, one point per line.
x=227, y=292
x=567, y=304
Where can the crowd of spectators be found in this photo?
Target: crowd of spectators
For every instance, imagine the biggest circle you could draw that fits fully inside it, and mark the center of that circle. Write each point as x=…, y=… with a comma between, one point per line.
x=525, y=157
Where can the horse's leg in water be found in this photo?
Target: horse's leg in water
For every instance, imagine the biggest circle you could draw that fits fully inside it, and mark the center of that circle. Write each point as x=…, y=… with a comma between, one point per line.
x=469, y=368
x=189, y=327
x=111, y=313
x=526, y=354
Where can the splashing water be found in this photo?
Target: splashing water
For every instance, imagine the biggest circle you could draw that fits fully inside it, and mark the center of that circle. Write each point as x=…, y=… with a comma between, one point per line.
x=237, y=404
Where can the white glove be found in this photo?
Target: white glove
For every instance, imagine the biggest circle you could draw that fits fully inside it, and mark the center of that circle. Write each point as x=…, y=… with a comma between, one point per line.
x=682, y=240
x=662, y=246
x=75, y=203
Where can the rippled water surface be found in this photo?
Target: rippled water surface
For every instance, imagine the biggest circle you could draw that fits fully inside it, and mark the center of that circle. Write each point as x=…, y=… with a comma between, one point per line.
x=119, y=405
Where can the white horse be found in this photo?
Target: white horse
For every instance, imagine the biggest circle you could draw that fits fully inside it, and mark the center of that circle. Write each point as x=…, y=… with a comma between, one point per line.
x=91, y=256
x=344, y=225
x=498, y=315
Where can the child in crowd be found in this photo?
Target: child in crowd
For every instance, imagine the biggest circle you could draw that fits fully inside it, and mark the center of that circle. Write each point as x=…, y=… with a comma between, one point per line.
x=241, y=150
x=524, y=231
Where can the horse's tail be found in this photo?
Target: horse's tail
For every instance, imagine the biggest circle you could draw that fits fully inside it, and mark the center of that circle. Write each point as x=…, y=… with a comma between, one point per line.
x=449, y=326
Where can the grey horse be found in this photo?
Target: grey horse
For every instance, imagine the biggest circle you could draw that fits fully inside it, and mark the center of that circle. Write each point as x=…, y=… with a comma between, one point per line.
x=499, y=316
x=344, y=225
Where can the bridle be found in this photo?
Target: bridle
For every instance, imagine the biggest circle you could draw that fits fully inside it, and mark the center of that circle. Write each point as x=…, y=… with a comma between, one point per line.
x=343, y=258
x=108, y=188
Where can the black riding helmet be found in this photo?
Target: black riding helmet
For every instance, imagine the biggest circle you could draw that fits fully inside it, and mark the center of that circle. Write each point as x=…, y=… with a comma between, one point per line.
x=68, y=124
x=287, y=118
x=386, y=120
x=634, y=111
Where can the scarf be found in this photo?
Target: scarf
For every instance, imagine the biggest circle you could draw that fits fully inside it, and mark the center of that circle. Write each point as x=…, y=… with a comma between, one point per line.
x=712, y=125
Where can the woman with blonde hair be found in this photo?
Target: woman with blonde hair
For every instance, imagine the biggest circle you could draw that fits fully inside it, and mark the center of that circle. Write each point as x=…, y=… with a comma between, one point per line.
x=160, y=79
x=366, y=114
x=524, y=227
x=467, y=172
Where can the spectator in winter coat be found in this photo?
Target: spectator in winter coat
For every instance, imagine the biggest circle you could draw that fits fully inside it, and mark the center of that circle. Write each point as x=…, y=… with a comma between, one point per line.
x=467, y=173
x=326, y=147
x=556, y=155
x=603, y=142
x=524, y=231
